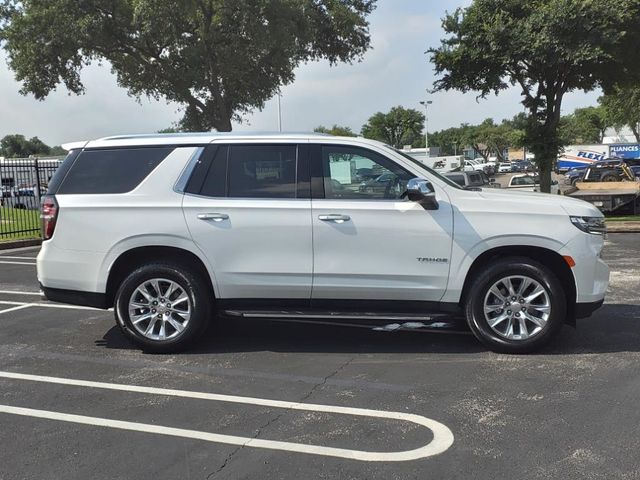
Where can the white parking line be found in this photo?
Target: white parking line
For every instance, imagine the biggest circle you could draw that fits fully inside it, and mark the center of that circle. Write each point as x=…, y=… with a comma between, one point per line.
x=48, y=305
x=13, y=309
x=2, y=257
x=442, y=436
x=17, y=263
x=16, y=292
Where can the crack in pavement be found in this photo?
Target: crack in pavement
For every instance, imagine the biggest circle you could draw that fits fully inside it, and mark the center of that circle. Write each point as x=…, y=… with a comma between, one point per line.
x=279, y=416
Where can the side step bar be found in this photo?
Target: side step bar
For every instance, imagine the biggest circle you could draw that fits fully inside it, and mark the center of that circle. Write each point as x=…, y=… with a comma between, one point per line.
x=388, y=322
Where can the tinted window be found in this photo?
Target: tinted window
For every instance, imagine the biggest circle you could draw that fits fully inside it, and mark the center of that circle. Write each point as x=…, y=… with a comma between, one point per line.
x=209, y=176
x=475, y=179
x=112, y=171
x=356, y=173
x=62, y=171
x=262, y=171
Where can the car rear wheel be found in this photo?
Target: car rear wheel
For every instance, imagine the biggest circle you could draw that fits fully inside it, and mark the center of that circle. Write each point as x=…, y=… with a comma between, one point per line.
x=163, y=307
x=517, y=305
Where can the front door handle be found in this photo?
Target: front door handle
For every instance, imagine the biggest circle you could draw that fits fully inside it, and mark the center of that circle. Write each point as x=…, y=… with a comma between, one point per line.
x=216, y=217
x=334, y=217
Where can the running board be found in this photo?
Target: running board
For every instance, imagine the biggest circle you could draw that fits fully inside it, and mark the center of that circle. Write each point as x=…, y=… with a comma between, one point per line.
x=334, y=315
x=386, y=322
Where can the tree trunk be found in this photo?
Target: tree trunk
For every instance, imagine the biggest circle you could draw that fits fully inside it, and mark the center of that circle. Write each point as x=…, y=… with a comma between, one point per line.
x=546, y=167
x=222, y=124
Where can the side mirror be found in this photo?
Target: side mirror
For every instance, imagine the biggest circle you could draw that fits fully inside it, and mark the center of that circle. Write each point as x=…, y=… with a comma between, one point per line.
x=421, y=191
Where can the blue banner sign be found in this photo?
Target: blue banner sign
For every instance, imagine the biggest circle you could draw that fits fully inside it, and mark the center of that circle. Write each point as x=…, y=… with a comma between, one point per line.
x=627, y=150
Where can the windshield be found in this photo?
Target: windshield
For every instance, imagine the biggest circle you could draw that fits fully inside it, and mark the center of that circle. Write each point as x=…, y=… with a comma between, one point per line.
x=428, y=169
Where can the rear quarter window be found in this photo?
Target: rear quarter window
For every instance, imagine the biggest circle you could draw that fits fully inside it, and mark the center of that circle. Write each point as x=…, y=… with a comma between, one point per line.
x=112, y=171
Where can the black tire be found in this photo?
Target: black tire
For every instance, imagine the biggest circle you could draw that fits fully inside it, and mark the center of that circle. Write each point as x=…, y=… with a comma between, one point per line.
x=609, y=177
x=514, y=266
x=195, y=287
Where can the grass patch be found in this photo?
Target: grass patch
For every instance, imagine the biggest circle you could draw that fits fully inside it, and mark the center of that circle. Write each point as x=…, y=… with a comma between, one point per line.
x=17, y=224
x=628, y=218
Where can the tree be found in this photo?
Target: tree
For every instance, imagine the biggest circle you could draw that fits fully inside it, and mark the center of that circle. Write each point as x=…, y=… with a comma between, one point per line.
x=451, y=140
x=218, y=59
x=336, y=130
x=489, y=139
x=537, y=45
x=622, y=109
x=18, y=146
x=400, y=126
x=585, y=125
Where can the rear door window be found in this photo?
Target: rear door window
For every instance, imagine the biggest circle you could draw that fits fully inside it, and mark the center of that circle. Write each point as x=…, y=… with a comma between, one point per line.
x=262, y=171
x=112, y=170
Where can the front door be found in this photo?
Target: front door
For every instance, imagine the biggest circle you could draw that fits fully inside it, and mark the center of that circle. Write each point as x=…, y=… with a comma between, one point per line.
x=247, y=212
x=370, y=243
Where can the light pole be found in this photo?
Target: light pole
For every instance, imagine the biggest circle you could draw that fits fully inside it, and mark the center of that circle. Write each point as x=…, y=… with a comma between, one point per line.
x=279, y=112
x=426, y=104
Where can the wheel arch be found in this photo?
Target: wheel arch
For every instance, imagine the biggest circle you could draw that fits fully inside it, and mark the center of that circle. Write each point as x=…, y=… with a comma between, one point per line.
x=137, y=256
x=547, y=257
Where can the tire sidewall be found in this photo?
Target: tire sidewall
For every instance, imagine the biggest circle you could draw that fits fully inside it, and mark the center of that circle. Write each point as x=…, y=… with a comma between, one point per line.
x=517, y=267
x=193, y=287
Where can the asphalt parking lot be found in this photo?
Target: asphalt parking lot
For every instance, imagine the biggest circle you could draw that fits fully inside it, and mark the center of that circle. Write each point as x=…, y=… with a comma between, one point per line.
x=569, y=412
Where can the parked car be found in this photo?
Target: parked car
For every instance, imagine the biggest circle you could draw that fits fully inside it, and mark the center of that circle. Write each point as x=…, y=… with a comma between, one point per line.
x=471, y=180
x=530, y=183
x=504, y=167
x=611, y=170
x=21, y=199
x=175, y=230
x=574, y=175
x=523, y=166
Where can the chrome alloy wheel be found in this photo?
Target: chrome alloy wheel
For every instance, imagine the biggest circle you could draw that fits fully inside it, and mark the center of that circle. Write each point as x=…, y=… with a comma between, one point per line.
x=517, y=307
x=159, y=309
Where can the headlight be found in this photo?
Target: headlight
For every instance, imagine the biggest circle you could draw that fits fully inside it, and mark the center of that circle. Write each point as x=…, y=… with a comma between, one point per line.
x=593, y=225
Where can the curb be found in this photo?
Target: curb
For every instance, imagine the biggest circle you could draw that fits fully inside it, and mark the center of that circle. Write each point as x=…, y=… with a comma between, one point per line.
x=34, y=242
x=623, y=227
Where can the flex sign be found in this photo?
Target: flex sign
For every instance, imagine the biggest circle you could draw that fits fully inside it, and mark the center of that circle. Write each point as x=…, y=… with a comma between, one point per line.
x=629, y=150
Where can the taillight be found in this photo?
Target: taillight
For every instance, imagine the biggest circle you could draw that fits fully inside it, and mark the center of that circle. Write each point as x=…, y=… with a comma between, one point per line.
x=49, y=215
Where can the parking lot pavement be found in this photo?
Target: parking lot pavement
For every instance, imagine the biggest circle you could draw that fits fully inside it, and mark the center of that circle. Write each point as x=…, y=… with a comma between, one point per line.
x=569, y=412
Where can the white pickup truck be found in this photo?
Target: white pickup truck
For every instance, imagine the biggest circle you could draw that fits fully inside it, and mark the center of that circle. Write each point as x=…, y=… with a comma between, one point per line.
x=530, y=183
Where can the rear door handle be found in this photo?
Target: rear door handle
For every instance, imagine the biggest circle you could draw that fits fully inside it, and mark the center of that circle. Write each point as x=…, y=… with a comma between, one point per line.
x=334, y=217
x=216, y=217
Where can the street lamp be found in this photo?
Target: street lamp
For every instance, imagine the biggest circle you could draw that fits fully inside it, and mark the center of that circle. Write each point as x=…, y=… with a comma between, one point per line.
x=279, y=111
x=426, y=104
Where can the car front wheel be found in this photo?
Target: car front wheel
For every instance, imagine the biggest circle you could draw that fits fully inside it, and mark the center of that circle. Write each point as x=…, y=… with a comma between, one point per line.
x=516, y=305
x=163, y=307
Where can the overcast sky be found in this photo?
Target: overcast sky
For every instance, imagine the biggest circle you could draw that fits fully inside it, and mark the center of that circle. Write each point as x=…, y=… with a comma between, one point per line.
x=394, y=72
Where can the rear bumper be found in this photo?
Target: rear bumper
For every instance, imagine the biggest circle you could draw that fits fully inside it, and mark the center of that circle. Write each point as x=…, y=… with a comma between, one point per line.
x=75, y=297
x=584, y=310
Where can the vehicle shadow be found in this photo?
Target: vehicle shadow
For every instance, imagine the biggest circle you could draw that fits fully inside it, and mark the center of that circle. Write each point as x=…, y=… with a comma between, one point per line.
x=614, y=328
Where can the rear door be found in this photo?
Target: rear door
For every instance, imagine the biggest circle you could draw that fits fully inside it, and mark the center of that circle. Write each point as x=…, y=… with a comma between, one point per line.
x=370, y=243
x=248, y=209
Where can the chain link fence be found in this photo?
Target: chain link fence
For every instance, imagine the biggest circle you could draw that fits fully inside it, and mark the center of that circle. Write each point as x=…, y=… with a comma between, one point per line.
x=23, y=183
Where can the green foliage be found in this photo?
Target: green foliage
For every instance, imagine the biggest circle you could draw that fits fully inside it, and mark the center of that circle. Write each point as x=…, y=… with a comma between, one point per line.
x=622, y=108
x=219, y=59
x=584, y=125
x=18, y=146
x=451, y=140
x=336, y=130
x=400, y=126
x=545, y=47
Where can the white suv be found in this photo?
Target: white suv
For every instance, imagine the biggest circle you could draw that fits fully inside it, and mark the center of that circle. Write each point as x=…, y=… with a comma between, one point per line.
x=173, y=230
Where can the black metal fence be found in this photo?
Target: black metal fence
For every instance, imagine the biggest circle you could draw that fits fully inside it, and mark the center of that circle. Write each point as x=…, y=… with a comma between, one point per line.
x=23, y=182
